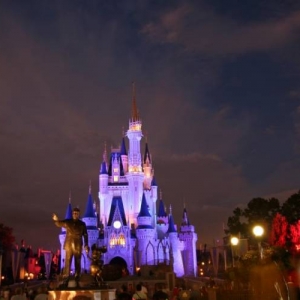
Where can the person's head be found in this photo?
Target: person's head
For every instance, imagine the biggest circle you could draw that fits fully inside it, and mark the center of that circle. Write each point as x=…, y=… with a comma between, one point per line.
x=18, y=291
x=138, y=287
x=124, y=288
x=76, y=213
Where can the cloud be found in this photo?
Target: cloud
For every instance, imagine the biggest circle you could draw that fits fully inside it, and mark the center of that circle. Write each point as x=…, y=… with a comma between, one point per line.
x=194, y=157
x=294, y=94
x=204, y=31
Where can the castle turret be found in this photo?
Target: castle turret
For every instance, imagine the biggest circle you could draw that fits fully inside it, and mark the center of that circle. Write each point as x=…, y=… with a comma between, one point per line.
x=189, y=237
x=115, y=170
x=147, y=167
x=124, y=156
x=162, y=220
x=145, y=235
x=154, y=199
x=175, y=247
x=103, y=185
x=91, y=221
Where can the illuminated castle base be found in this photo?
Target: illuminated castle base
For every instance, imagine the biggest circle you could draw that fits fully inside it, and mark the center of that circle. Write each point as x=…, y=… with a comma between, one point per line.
x=129, y=219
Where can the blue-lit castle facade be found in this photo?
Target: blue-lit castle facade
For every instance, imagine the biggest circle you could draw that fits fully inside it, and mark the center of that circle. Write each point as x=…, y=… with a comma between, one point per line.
x=130, y=218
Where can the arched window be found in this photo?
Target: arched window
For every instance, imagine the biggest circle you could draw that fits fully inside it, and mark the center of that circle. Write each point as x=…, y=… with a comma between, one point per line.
x=117, y=240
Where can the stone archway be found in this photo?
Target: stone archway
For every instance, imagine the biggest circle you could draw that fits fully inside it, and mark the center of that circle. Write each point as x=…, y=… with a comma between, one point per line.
x=116, y=269
x=118, y=261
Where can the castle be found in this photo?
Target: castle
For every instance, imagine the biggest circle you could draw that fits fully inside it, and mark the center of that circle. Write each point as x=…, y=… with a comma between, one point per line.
x=135, y=227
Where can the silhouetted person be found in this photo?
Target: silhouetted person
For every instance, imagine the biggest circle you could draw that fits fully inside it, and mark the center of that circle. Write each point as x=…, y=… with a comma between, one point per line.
x=160, y=294
x=138, y=293
x=124, y=295
x=75, y=231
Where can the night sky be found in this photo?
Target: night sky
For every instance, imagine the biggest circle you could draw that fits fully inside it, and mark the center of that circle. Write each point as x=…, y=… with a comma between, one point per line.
x=218, y=91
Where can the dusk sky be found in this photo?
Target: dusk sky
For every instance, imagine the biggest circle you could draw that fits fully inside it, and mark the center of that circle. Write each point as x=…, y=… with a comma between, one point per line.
x=217, y=87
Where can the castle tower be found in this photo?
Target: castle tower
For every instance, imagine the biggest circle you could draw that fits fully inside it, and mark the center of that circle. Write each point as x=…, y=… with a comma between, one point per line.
x=154, y=199
x=176, y=246
x=149, y=184
x=124, y=156
x=162, y=222
x=91, y=221
x=189, y=237
x=145, y=235
x=103, y=186
x=147, y=167
x=135, y=175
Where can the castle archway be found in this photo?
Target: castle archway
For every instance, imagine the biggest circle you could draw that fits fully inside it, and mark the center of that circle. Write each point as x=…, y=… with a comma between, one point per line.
x=116, y=269
x=118, y=261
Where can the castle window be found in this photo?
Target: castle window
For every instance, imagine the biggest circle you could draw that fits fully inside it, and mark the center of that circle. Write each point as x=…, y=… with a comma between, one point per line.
x=116, y=178
x=117, y=240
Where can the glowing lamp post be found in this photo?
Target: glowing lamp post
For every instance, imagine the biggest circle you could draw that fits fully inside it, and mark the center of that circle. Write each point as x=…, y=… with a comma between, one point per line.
x=258, y=232
x=234, y=241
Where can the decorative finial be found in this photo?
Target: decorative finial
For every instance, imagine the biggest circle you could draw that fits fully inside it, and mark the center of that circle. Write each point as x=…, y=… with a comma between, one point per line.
x=170, y=209
x=70, y=198
x=160, y=194
x=90, y=187
x=123, y=131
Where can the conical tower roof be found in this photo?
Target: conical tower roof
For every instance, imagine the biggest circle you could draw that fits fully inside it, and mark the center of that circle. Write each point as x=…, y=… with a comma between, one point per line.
x=69, y=209
x=171, y=223
x=89, y=211
x=144, y=211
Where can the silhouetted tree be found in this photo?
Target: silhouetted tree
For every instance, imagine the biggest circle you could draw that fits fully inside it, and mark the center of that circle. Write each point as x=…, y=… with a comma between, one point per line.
x=258, y=210
x=291, y=208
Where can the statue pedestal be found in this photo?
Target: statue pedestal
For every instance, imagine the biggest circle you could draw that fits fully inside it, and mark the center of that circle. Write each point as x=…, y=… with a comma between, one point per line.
x=80, y=294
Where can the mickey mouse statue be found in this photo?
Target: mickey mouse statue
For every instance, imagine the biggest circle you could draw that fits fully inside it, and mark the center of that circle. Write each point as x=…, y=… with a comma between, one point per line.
x=97, y=263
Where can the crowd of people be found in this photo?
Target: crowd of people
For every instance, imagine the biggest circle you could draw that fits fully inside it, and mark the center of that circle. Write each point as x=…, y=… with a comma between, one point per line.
x=139, y=292
x=21, y=293
x=161, y=292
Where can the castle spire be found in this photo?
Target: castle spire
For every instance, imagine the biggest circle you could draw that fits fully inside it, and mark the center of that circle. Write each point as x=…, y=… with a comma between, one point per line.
x=144, y=211
x=185, y=220
x=105, y=153
x=123, y=150
x=161, y=207
x=89, y=211
x=68, y=214
x=172, y=227
x=147, y=155
x=134, y=112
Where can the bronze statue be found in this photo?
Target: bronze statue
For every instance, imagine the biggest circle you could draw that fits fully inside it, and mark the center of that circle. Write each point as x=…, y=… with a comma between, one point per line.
x=75, y=231
x=97, y=263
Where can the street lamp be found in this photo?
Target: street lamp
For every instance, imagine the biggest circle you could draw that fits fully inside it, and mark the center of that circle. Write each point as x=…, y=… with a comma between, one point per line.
x=258, y=232
x=234, y=241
